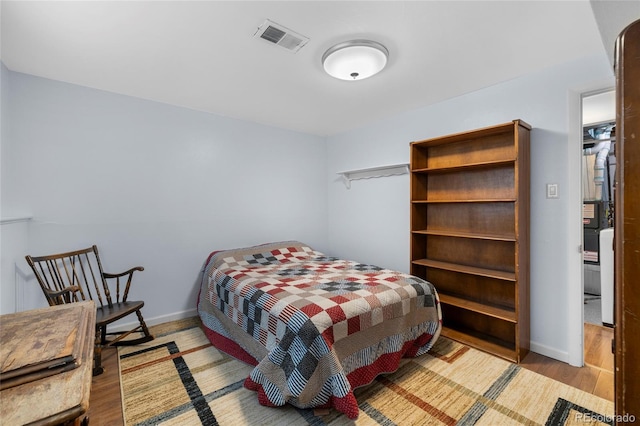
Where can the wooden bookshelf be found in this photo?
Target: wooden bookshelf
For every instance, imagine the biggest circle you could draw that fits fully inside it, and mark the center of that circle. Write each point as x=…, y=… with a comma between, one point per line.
x=470, y=233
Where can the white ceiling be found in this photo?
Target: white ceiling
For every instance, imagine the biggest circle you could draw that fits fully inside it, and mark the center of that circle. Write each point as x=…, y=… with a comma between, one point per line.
x=202, y=54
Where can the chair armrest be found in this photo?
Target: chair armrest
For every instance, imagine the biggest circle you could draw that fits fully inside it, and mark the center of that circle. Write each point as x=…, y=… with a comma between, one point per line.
x=122, y=274
x=129, y=274
x=65, y=294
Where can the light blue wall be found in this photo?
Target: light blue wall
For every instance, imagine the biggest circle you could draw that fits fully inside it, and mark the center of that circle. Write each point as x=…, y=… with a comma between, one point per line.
x=13, y=231
x=370, y=221
x=162, y=186
x=154, y=185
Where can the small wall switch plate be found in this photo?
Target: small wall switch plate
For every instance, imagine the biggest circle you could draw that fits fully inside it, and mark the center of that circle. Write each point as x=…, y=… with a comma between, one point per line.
x=552, y=190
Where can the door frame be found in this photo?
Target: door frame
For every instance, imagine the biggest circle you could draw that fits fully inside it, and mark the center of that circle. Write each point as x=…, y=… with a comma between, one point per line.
x=575, y=244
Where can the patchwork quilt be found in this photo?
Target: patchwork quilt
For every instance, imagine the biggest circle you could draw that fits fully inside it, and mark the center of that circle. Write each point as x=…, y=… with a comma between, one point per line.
x=315, y=327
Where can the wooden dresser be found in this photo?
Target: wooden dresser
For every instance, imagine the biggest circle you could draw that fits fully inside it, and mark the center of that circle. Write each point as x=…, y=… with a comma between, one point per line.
x=46, y=363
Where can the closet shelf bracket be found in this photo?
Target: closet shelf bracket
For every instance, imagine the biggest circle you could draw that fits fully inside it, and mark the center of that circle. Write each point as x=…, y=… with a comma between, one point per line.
x=373, y=172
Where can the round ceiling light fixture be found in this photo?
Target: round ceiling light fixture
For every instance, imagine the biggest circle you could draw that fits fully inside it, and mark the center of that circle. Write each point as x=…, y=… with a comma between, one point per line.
x=355, y=60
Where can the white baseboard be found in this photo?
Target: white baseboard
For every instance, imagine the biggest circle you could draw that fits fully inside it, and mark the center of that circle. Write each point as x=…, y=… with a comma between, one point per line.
x=549, y=352
x=155, y=320
x=534, y=346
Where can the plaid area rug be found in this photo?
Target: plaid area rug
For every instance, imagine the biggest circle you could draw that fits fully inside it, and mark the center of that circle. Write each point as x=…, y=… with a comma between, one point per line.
x=180, y=379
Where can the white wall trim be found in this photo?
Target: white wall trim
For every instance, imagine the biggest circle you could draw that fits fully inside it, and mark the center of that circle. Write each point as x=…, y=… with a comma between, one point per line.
x=155, y=320
x=549, y=351
x=17, y=219
x=20, y=283
x=534, y=346
x=575, y=271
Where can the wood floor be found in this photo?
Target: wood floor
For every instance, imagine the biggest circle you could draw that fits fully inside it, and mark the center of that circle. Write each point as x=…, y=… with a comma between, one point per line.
x=596, y=377
x=105, y=402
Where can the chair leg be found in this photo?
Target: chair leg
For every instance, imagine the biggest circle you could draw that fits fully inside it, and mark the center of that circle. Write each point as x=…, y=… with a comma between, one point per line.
x=145, y=330
x=142, y=328
x=103, y=335
x=97, y=352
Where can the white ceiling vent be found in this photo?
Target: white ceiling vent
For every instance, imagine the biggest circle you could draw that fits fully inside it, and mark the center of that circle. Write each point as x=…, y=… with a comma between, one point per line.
x=282, y=36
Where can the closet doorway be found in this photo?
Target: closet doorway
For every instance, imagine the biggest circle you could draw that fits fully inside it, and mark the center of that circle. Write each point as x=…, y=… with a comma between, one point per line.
x=598, y=172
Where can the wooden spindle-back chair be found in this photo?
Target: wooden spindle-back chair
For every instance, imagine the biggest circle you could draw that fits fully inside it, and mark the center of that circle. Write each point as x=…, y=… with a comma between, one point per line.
x=78, y=275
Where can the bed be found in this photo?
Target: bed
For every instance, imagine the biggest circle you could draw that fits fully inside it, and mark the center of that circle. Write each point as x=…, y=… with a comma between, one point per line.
x=315, y=327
